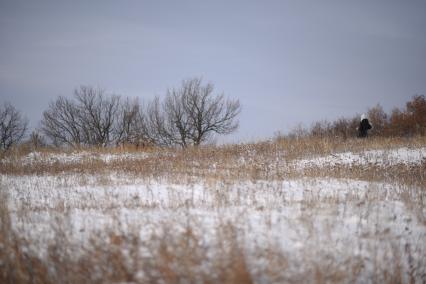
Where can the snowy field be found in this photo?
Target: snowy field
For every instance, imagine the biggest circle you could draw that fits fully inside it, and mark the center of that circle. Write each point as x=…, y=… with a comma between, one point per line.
x=291, y=230
x=402, y=155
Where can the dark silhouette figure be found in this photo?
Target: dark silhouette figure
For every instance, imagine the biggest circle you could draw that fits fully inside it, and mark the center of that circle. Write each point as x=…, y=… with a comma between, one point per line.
x=364, y=126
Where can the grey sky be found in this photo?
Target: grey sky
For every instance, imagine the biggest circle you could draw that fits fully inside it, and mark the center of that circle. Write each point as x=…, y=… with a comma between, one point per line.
x=287, y=61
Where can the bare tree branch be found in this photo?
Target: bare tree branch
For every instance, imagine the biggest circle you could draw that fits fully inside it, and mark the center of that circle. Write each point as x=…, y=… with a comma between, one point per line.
x=87, y=120
x=12, y=126
x=192, y=114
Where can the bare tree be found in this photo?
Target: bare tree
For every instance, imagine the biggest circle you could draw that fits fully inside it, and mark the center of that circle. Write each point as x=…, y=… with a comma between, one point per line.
x=61, y=123
x=321, y=129
x=97, y=113
x=178, y=124
x=192, y=113
x=189, y=115
x=36, y=140
x=89, y=119
x=345, y=127
x=160, y=126
x=378, y=119
x=130, y=127
x=12, y=126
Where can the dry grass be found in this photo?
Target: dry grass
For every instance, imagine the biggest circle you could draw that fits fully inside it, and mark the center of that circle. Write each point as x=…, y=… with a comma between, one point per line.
x=178, y=253
x=264, y=160
x=181, y=257
x=168, y=258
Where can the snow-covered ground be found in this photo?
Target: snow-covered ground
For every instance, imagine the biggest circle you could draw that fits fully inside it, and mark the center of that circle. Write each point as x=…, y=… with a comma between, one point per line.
x=381, y=158
x=305, y=220
x=77, y=157
x=354, y=230
x=403, y=155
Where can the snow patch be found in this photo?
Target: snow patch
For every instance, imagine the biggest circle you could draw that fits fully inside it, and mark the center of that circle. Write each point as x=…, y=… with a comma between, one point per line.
x=401, y=156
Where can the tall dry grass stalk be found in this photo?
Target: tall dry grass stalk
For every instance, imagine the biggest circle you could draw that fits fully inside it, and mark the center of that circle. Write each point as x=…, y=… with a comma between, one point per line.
x=269, y=160
x=182, y=256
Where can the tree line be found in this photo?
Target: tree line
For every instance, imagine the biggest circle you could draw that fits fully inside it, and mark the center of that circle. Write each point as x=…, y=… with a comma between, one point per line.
x=188, y=115
x=406, y=122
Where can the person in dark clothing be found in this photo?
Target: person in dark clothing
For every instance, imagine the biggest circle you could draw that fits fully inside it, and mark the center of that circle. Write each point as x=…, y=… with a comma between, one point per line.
x=364, y=126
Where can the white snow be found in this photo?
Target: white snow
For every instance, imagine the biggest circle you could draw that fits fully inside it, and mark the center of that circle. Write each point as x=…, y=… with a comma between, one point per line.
x=302, y=218
x=35, y=158
x=339, y=222
x=381, y=158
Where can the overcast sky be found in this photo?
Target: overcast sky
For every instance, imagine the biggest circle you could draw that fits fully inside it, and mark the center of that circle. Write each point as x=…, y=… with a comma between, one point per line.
x=288, y=62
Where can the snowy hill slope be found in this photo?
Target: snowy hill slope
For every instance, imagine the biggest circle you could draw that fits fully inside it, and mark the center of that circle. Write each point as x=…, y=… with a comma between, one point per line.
x=283, y=230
